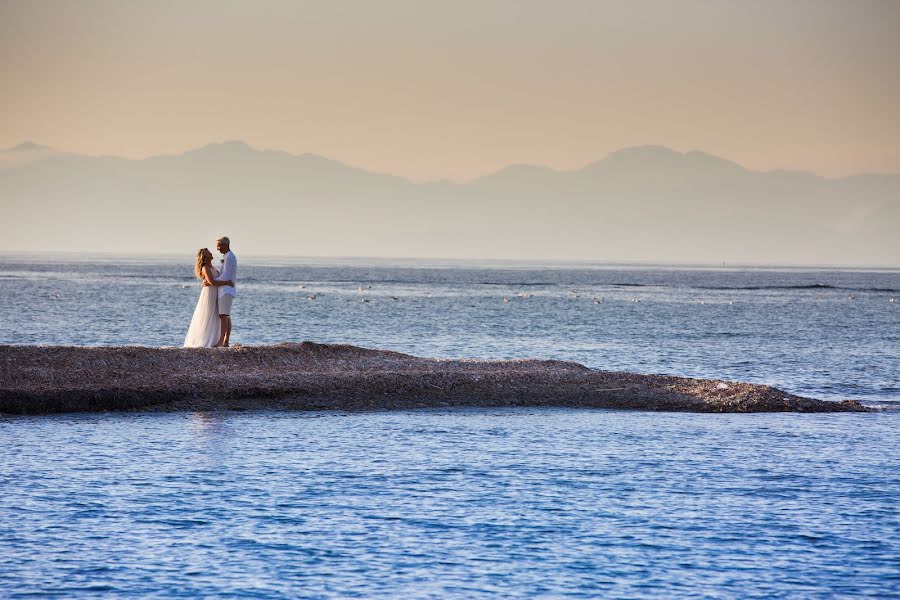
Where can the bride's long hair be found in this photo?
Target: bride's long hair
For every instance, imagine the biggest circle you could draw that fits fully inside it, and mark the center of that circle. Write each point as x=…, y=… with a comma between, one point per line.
x=204, y=258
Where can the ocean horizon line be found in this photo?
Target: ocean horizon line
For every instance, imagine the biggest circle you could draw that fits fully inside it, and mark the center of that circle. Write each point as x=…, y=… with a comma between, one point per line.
x=261, y=258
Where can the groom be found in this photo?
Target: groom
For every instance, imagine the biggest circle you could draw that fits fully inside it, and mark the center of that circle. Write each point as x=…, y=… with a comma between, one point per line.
x=228, y=272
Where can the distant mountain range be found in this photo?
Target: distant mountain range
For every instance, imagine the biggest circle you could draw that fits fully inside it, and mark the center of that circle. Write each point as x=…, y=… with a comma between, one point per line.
x=646, y=203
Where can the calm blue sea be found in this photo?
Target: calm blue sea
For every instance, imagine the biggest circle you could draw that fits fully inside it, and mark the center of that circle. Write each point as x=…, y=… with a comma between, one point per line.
x=467, y=503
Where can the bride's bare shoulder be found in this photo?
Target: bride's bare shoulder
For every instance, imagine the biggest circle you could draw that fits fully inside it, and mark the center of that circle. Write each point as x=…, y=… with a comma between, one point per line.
x=209, y=272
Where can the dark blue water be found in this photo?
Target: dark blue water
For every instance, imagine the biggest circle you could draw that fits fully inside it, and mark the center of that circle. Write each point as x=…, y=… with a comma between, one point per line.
x=469, y=503
x=827, y=334
x=463, y=504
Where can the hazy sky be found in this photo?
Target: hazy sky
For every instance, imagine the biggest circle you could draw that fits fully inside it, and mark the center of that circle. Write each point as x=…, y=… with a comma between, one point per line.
x=457, y=89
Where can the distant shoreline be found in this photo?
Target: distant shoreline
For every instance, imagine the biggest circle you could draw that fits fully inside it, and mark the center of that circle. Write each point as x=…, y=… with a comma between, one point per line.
x=309, y=376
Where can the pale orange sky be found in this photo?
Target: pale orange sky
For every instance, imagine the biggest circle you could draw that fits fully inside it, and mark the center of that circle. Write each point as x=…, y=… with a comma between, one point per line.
x=433, y=90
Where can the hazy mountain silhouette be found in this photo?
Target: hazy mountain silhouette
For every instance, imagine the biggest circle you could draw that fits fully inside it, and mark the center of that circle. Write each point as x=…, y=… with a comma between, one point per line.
x=27, y=147
x=643, y=203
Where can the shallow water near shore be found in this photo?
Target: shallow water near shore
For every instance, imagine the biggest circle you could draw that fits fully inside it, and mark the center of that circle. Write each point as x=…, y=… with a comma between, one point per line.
x=462, y=503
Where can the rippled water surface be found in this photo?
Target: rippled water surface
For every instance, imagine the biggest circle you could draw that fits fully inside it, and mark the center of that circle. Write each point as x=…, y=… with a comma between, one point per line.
x=465, y=504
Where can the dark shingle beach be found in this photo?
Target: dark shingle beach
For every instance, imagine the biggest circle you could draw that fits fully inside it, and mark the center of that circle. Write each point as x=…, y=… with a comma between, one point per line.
x=310, y=376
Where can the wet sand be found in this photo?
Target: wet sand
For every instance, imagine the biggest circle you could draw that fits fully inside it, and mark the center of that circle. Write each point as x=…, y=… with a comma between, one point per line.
x=309, y=376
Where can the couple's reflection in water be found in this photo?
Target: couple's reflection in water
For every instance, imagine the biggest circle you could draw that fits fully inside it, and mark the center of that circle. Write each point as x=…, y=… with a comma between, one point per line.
x=211, y=431
x=209, y=423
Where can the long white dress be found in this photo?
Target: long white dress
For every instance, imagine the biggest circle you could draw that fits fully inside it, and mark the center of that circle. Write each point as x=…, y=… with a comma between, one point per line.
x=205, y=325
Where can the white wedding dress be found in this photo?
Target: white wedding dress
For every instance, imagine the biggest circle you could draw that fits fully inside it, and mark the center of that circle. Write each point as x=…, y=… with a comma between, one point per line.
x=205, y=325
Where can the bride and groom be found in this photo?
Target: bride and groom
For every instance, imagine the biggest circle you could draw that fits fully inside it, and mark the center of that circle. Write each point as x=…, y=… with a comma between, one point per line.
x=211, y=324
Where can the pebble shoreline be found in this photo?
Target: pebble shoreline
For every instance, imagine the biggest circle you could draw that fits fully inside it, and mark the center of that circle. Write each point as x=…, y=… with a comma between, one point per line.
x=310, y=376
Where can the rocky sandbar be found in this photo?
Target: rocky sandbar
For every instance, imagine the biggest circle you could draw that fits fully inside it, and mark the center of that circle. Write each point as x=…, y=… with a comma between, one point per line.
x=309, y=376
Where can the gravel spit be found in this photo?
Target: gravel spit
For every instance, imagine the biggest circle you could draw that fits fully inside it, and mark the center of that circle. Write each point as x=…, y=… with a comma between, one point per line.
x=310, y=376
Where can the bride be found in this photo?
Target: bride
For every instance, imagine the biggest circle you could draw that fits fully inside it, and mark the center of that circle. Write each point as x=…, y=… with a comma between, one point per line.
x=204, y=329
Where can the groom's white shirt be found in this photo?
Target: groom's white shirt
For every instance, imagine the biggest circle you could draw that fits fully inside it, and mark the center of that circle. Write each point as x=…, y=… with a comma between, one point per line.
x=228, y=273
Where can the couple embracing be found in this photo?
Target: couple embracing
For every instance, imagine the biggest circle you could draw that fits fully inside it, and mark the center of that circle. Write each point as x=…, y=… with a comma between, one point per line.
x=211, y=324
